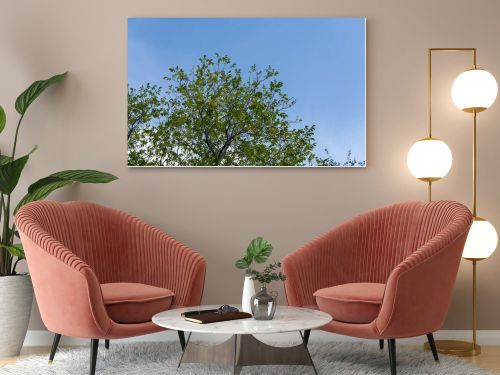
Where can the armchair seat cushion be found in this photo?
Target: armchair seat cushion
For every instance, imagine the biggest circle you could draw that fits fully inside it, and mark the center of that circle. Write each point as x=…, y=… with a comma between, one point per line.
x=135, y=303
x=351, y=303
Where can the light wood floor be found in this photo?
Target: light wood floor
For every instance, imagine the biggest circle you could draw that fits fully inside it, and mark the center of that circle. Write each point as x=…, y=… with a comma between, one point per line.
x=488, y=360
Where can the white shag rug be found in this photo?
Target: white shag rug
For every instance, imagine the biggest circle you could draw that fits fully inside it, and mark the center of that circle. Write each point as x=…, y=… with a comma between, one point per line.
x=155, y=358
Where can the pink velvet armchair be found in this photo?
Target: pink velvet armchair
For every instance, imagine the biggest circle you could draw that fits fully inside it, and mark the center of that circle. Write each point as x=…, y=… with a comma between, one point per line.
x=385, y=274
x=99, y=273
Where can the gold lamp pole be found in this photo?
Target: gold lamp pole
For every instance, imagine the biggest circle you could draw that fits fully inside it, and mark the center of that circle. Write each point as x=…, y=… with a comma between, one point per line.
x=473, y=91
x=429, y=159
x=475, y=349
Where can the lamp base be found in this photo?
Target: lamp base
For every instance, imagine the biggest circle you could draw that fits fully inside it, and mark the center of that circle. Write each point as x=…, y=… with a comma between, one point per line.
x=456, y=348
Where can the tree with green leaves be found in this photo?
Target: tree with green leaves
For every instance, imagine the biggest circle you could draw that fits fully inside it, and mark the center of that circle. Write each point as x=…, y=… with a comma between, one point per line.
x=145, y=106
x=213, y=115
x=329, y=161
x=11, y=169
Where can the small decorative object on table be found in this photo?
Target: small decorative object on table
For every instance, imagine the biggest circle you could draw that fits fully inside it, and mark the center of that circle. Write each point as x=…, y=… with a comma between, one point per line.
x=258, y=250
x=223, y=313
x=263, y=304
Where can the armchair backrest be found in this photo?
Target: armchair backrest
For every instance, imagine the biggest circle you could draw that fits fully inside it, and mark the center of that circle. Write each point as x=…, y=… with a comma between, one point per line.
x=378, y=241
x=368, y=247
x=386, y=236
x=94, y=233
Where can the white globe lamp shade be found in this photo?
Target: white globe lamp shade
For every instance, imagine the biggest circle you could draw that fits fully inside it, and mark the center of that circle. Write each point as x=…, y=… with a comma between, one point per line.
x=481, y=241
x=474, y=90
x=429, y=159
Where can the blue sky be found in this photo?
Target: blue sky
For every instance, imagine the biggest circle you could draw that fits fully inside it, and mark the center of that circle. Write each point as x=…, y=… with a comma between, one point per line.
x=321, y=62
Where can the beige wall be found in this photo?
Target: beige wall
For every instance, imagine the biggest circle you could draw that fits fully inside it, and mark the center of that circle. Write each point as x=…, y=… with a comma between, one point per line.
x=81, y=124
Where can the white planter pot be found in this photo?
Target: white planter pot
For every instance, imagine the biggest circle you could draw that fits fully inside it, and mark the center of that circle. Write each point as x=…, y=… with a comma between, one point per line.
x=16, y=298
x=248, y=292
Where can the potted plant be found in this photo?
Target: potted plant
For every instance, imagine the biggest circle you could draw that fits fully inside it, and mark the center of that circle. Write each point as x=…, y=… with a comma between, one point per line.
x=16, y=291
x=258, y=251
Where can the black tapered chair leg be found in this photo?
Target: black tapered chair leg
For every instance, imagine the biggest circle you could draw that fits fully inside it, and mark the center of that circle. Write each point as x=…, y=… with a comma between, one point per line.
x=381, y=344
x=106, y=344
x=392, y=355
x=432, y=344
x=307, y=333
x=94, y=346
x=55, y=344
x=182, y=339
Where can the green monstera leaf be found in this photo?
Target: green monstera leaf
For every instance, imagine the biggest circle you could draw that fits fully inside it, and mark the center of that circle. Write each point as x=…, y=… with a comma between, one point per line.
x=259, y=250
x=242, y=263
x=29, y=95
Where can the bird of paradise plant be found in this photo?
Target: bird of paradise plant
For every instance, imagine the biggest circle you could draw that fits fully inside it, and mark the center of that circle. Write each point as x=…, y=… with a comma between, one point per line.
x=11, y=169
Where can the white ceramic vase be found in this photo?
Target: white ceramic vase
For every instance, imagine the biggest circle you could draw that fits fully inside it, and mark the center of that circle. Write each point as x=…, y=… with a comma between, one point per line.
x=248, y=292
x=16, y=298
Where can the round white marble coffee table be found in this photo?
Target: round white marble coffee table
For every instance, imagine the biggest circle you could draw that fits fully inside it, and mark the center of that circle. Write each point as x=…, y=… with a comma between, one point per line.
x=242, y=348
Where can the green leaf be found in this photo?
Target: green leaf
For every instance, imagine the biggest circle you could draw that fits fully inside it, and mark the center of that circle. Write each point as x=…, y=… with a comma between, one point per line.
x=242, y=264
x=3, y=119
x=13, y=233
x=31, y=93
x=259, y=250
x=4, y=159
x=260, y=259
x=43, y=187
x=42, y=193
x=86, y=176
x=46, y=181
x=10, y=172
x=15, y=250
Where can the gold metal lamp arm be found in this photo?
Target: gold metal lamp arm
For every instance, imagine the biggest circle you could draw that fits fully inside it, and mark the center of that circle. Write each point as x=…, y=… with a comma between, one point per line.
x=429, y=90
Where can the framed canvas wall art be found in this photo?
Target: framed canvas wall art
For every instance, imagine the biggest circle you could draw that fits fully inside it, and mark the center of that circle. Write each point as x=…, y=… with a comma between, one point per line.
x=246, y=92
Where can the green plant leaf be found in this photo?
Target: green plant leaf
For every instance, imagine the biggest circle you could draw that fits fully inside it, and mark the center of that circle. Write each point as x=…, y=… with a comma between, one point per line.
x=261, y=258
x=4, y=159
x=10, y=172
x=29, y=95
x=46, y=181
x=3, y=119
x=43, y=187
x=259, y=250
x=13, y=233
x=15, y=250
x=42, y=193
x=242, y=263
x=86, y=176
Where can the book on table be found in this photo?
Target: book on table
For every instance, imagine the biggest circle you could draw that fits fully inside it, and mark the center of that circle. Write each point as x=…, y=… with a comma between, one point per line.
x=213, y=316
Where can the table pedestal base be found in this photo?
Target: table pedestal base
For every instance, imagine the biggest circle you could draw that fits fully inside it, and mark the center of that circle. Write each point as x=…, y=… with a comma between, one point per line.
x=246, y=350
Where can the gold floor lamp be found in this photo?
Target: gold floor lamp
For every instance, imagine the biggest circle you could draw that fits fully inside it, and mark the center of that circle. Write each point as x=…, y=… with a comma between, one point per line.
x=430, y=159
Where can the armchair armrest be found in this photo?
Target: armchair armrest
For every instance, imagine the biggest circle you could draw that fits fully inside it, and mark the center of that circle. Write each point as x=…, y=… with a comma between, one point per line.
x=419, y=289
x=68, y=292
